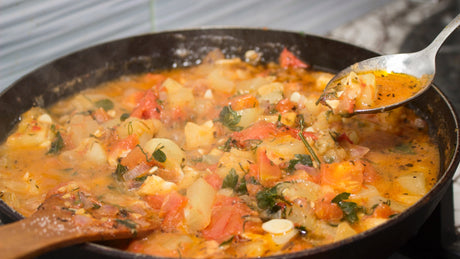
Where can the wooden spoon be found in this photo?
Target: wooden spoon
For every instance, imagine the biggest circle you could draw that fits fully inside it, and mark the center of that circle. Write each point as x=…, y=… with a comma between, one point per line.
x=70, y=215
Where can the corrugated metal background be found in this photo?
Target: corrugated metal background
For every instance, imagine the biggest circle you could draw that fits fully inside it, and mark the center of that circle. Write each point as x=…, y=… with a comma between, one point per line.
x=35, y=32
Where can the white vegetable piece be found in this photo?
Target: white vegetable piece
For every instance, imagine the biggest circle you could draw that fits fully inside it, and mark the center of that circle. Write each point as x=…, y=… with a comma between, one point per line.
x=281, y=230
x=156, y=185
x=199, y=135
x=249, y=116
x=413, y=183
x=200, y=199
x=273, y=92
x=178, y=95
x=174, y=154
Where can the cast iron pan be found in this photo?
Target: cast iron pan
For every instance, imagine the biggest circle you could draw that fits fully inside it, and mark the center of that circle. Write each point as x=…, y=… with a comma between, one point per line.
x=89, y=67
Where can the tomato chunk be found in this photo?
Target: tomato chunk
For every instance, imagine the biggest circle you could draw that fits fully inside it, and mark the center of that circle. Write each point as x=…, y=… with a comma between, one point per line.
x=269, y=173
x=227, y=218
x=383, y=211
x=258, y=131
x=214, y=180
x=285, y=105
x=172, y=211
x=148, y=107
x=346, y=176
x=326, y=210
x=244, y=102
x=288, y=60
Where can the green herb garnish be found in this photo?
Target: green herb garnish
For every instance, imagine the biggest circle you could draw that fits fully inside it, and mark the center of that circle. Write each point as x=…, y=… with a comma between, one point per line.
x=227, y=242
x=57, y=145
x=349, y=209
x=120, y=171
x=299, y=158
x=105, y=104
x=229, y=118
x=230, y=180
x=159, y=155
x=268, y=199
x=310, y=149
x=404, y=148
x=129, y=224
x=124, y=116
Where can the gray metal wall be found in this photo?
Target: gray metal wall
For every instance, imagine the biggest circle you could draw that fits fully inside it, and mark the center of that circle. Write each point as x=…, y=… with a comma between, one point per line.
x=34, y=32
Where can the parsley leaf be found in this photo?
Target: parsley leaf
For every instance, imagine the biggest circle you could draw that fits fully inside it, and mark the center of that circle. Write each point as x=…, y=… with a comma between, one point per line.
x=229, y=118
x=230, y=180
x=57, y=145
x=241, y=188
x=159, y=155
x=349, y=209
x=129, y=224
x=120, y=171
x=404, y=148
x=268, y=199
x=124, y=116
x=300, y=158
x=105, y=104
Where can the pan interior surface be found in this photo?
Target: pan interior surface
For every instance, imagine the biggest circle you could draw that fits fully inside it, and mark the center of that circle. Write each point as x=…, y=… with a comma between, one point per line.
x=90, y=67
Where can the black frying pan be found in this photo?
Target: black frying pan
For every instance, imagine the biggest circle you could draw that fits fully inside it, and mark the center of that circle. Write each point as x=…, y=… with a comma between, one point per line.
x=89, y=67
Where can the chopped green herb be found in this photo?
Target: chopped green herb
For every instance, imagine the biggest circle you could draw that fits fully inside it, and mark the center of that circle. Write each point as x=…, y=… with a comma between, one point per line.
x=124, y=116
x=227, y=146
x=241, y=188
x=300, y=158
x=229, y=118
x=159, y=155
x=141, y=178
x=129, y=224
x=349, y=209
x=268, y=199
x=227, y=242
x=57, y=145
x=310, y=149
x=230, y=180
x=120, y=171
x=105, y=104
x=404, y=148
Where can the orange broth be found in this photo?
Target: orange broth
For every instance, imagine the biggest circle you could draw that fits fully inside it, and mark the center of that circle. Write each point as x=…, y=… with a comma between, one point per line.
x=237, y=159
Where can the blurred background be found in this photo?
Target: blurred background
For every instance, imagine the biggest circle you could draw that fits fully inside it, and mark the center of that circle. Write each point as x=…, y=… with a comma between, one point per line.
x=33, y=33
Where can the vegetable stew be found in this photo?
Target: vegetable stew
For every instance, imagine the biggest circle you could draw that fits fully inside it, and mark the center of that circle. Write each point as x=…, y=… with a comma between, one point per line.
x=235, y=157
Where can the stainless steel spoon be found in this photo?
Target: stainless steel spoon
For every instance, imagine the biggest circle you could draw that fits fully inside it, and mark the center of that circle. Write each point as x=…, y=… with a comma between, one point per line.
x=419, y=64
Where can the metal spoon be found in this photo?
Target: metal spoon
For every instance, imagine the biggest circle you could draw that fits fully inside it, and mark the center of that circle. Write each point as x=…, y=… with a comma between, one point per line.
x=419, y=64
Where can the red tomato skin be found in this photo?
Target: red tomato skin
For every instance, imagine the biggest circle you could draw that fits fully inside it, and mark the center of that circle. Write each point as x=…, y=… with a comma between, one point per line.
x=244, y=102
x=214, y=180
x=269, y=173
x=288, y=60
x=227, y=218
x=258, y=131
x=172, y=211
x=326, y=210
x=383, y=211
x=285, y=105
x=148, y=107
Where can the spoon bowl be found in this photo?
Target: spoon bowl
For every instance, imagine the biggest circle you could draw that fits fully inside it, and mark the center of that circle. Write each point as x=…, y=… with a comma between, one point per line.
x=420, y=64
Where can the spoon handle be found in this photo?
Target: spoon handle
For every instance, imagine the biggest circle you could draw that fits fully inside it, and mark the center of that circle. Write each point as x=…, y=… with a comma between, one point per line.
x=30, y=237
x=443, y=35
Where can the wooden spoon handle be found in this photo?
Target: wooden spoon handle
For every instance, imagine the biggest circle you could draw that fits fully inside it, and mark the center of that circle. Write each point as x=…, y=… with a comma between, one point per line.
x=33, y=236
